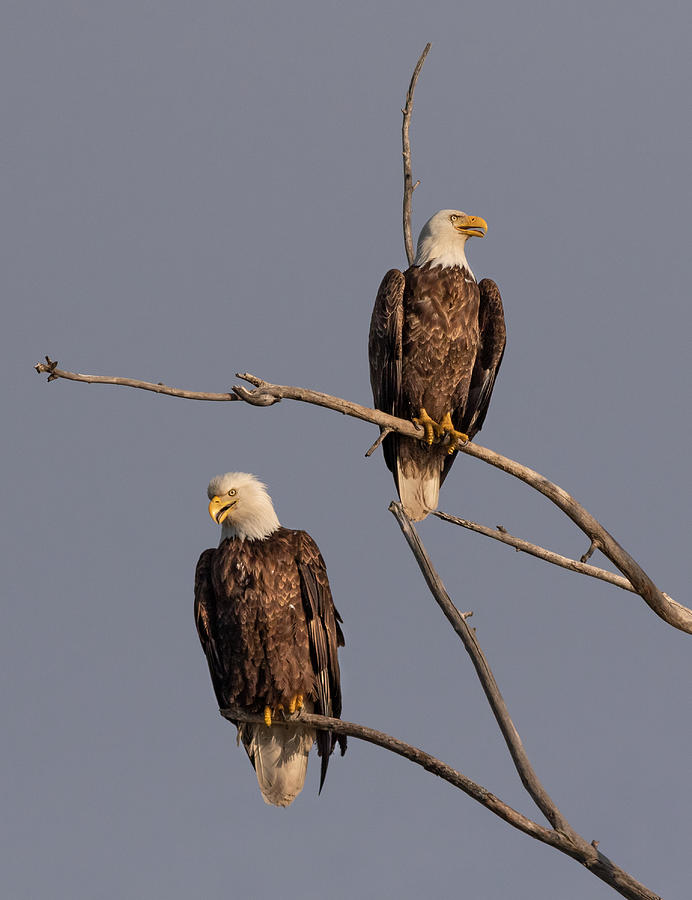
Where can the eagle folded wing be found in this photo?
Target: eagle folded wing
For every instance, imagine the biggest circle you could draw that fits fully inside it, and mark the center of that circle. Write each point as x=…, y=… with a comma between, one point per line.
x=205, y=613
x=385, y=352
x=493, y=335
x=325, y=637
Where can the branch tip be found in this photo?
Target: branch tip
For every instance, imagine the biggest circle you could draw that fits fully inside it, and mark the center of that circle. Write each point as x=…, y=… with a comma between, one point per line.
x=589, y=553
x=48, y=366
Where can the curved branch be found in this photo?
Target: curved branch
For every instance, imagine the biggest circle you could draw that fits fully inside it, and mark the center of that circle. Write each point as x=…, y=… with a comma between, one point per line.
x=419, y=757
x=409, y=186
x=665, y=607
x=266, y=394
x=572, y=565
x=586, y=854
x=458, y=622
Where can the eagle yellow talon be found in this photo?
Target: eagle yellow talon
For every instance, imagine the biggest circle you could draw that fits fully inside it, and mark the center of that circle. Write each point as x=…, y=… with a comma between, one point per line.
x=296, y=703
x=456, y=438
x=267, y=716
x=433, y=431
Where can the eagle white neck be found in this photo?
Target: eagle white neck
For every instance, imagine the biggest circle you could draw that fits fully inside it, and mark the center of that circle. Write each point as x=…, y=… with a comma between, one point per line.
x=442, y=250
x=256, y=525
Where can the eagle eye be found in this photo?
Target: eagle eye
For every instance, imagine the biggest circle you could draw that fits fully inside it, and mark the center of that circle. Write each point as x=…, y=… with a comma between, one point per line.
x=454, y=218
x=232, y=492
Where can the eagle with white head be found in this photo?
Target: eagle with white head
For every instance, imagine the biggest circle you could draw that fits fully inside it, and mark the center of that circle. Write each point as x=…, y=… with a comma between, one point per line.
x=436, y=343
x=270, y=633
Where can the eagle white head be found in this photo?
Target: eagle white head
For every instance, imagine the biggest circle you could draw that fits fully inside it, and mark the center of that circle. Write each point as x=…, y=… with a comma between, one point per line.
x=240, y=504
x=442, y=238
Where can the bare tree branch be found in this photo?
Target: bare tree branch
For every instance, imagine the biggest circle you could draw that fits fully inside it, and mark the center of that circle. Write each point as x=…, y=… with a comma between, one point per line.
x=409, y=186
x=665, y=607
x=266, y=394
x=578, y=847
x=50, y=366
x=585, y=853
x=458, y=622
x=501, y=534
x=428, y=762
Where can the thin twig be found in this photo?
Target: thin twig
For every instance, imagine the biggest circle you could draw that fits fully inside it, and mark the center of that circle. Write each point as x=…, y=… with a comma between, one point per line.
x=501, y=534
x=409, y=187
x=589, y=553
x=266, y=393
x=51, y=368
x=383, y=435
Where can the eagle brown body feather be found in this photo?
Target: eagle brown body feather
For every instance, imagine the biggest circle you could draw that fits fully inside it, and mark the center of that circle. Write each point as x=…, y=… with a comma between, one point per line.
x=436, y=341
x=269, y=629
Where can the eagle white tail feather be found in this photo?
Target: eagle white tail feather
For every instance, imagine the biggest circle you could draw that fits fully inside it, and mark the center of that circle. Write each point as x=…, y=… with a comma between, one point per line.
x=280, y=757
x=419, y=486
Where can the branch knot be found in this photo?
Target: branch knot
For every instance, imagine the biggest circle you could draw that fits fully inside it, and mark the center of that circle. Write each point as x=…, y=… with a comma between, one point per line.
x=49, y=366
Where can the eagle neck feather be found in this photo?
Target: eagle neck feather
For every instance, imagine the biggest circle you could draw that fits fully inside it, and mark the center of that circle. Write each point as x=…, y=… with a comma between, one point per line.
x=256, y=526
x=437, y=251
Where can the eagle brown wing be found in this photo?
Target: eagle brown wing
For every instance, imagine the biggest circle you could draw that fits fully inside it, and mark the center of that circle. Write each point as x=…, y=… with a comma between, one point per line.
x=385, y=353
x=205, y=619
x=325, y=637
x=493, y=335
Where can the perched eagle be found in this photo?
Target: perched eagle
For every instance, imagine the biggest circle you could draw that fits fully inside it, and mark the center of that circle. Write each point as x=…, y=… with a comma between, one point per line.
x=436, y=344
x=270, y=632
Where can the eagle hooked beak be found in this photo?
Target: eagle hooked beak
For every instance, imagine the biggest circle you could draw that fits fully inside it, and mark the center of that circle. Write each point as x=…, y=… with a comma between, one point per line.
x=472, y=226
x=220, y=507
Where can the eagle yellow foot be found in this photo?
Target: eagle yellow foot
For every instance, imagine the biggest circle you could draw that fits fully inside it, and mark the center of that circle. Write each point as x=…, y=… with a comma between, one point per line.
x=433, y=431
x=456, y=438
x=296, y=703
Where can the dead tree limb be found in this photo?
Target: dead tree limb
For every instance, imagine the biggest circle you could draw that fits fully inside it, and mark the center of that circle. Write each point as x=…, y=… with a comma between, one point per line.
x=409, y=186
x=420, y=757
x=579, y=848
x=50, y=367
x=583, y=852
x=458, y=622
x=266, y=394
x=501, y=534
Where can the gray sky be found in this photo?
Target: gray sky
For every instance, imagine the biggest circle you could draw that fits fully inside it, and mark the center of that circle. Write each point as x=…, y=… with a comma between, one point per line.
x=195, y=189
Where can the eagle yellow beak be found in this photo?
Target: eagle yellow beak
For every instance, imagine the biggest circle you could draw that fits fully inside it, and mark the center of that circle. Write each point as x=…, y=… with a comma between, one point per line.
x=473, y=226
x=220, y=507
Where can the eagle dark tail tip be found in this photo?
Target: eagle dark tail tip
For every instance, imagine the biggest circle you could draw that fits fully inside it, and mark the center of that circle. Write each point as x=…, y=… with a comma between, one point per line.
x=325, y=747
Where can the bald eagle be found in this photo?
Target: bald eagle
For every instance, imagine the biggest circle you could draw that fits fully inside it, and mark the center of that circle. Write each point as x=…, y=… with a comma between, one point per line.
x=270, y=632
x=436, y=344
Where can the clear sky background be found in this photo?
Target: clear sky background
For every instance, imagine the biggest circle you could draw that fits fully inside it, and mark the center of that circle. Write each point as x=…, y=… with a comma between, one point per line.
x=195, y=189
